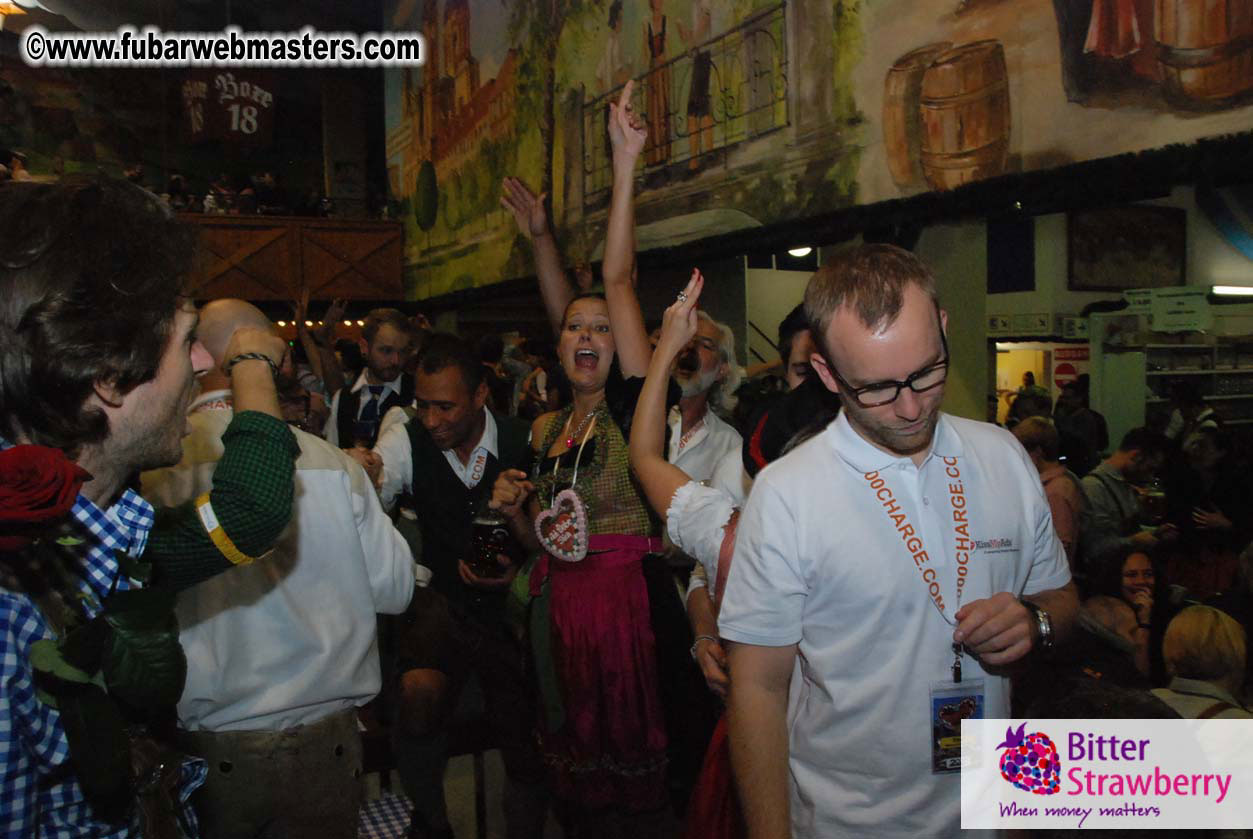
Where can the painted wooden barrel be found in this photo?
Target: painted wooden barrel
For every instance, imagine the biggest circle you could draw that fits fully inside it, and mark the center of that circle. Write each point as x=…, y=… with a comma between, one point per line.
x=902, y=122
x=1205, y=48
x=964, y=104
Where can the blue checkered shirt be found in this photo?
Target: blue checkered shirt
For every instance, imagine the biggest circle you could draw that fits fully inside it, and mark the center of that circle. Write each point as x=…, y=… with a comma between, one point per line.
x=37, y=800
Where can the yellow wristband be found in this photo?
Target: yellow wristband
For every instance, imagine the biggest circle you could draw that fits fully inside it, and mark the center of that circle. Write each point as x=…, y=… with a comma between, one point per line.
x=214, y=528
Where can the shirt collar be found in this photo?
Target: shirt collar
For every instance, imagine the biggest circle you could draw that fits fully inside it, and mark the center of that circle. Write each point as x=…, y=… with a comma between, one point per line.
x=1196, y=686
x=490, y=435
x=393, y=385
x=861, y=455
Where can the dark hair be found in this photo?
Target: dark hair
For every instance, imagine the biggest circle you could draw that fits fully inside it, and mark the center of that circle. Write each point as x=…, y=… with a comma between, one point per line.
x=871, y=279
x=1186, y=393
x=442, y=351
x=490, y=348
x=377, y=317
x=91, y=275
x=615, y=13
x=350, y=355
x=794, y=322
x=1107, y=571
x=1146, y=440
x=1039, y=433
x=576, y=299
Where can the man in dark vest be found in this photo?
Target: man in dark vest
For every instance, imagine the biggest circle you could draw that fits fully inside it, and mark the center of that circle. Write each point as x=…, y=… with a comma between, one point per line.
x=356, y=411
x=447, y=457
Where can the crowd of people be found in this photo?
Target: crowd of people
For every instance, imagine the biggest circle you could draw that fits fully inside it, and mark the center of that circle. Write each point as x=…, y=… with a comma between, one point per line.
x=191, y=578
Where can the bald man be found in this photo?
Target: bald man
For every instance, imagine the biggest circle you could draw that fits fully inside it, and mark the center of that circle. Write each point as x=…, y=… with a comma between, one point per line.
x=281, y=652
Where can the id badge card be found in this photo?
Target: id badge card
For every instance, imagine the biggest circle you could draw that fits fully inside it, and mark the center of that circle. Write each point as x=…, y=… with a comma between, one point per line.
x=950, y=703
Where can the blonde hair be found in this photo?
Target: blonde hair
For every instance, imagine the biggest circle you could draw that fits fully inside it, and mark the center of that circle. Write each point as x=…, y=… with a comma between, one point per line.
x=871, y=279
x=1205, y=644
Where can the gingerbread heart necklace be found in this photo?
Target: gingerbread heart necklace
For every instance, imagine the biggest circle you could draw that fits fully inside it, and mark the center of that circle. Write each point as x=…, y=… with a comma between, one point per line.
x=562, y=528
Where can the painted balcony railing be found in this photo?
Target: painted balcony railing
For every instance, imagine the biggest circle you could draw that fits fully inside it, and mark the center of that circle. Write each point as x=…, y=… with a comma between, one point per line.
x=729, y=90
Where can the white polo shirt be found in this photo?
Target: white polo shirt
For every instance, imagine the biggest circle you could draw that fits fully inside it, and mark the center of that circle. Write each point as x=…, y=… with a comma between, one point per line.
x=819, y=563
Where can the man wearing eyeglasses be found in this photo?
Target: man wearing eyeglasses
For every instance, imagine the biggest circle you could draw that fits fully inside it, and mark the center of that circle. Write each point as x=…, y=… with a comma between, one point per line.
x=886, y=572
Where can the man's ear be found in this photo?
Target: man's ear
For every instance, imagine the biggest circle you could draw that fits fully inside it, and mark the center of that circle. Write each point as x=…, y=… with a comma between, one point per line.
x=480, y=396
x=365, y=348
x=107, y=393
x=824, y=372
x=724, y=370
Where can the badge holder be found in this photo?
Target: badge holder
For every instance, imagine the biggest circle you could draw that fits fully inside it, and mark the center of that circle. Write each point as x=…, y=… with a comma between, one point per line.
x=950, y=703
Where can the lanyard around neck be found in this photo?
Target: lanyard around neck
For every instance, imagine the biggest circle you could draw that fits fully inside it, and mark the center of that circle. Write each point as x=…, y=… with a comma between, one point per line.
x=912, y=540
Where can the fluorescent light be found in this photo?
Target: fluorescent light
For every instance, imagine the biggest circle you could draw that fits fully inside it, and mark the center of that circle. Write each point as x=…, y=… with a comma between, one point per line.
x=799, y=252
x=1233, y=290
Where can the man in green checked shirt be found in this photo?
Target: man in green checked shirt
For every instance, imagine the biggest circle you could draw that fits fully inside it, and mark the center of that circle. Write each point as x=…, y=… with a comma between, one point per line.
x=98, y=359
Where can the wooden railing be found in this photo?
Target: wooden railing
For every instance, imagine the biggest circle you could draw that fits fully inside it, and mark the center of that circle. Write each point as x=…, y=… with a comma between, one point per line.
x=275, y=257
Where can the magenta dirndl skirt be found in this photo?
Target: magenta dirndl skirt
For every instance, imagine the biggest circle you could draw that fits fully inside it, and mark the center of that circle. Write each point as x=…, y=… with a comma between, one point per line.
x=610, y=752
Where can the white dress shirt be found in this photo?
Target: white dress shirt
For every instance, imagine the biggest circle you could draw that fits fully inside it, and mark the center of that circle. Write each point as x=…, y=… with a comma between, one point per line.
x=706, y=446
x=290, y=638
x=331, y=432
x=397, y=455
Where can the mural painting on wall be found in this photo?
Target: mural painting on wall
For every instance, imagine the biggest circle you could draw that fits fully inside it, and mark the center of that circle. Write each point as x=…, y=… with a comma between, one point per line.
x=760, y=112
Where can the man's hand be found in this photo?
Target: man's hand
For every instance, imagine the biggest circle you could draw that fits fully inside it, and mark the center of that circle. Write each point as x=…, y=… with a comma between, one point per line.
x=713, y=664
x=371, y=462
x=527, y=208
x=251, y=339
x=1210, y=519
x=504, y=581
x=510, y=492
x=996, y=628
x=323, y=335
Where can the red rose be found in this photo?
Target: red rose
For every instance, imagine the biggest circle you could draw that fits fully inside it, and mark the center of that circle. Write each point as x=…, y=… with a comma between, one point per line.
x=38, y=486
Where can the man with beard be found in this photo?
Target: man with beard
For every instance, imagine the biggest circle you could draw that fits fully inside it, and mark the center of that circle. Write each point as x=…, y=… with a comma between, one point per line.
x=882, y=562
x=357, y=411
x=447, y=458
x=98, y=359
x=281, y=652
x=707, y=376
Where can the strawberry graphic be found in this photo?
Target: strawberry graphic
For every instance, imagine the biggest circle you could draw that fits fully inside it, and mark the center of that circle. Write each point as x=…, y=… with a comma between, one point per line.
x=1030, y=762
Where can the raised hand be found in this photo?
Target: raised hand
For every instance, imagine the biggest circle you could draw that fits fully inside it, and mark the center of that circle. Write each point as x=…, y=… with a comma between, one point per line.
x=250, y=339
x=527, y=208
x=627, y=130
x=678, y=324
x=300, y=309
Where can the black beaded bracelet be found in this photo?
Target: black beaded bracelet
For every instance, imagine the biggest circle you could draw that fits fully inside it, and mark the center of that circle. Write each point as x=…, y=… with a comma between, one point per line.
x=252, y=356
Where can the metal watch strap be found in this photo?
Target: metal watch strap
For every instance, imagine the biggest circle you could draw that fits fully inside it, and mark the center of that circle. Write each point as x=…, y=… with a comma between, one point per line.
x=1043, y=623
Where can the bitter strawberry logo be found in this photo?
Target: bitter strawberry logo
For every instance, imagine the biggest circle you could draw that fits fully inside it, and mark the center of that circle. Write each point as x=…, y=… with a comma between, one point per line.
x=1030, y=761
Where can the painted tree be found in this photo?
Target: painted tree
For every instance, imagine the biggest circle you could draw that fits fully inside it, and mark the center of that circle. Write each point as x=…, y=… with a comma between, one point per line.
x=426, y=197
x=537, y=26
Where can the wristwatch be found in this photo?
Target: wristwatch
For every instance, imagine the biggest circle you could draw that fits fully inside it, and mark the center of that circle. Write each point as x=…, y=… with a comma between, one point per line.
x=1043, y=625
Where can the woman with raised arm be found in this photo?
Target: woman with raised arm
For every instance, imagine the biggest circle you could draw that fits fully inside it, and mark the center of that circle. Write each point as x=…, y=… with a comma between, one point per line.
x=701, y=521
x=603, y=731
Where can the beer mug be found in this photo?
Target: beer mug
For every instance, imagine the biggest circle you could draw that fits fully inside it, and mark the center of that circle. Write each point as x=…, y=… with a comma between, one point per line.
x=489, y=536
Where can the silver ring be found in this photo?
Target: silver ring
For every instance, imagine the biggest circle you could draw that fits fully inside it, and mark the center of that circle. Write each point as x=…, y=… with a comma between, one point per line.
x=682, y=296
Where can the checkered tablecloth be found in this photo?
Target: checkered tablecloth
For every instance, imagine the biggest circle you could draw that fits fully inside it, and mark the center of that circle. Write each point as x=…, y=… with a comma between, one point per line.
x=386, y=817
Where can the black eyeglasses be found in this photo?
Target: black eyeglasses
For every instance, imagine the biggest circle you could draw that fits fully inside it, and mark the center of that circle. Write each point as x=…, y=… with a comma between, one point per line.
x=884, y=393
